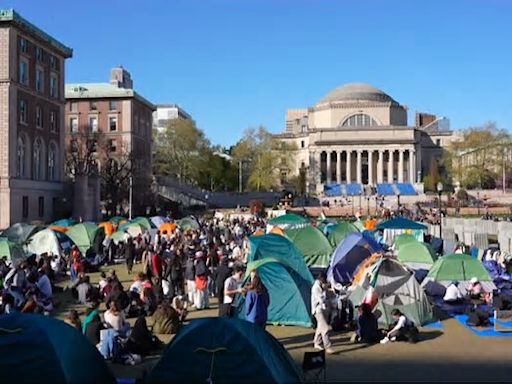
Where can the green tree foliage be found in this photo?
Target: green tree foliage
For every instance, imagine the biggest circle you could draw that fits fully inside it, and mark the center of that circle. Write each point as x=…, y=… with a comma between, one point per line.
x=263, y=157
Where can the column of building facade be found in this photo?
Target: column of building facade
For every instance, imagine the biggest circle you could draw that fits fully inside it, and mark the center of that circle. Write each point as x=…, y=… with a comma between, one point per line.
x=370, y=167
x=401, y=166
x=390, y=167
x=338, y=166
x=328, y=168
x=349, y=166
x=380, y=167
x=359, y=166
x=412, y=166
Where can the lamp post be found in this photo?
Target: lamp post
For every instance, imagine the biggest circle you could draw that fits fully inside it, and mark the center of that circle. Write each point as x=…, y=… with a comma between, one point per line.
x=478, y=202
x=398, y=202
x=368, y=204
x=440, y=193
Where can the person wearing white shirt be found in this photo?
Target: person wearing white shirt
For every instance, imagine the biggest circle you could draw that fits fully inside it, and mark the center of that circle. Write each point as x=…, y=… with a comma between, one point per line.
x=404, y=329
x=232, y=287
x=453, y=294
x=319, y=310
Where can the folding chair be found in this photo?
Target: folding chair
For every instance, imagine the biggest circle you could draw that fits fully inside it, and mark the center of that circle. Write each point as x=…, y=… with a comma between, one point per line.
x=313, y=367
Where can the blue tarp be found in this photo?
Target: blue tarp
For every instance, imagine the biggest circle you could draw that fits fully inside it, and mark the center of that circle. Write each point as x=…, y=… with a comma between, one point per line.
x=348, y=255
x=401, y=223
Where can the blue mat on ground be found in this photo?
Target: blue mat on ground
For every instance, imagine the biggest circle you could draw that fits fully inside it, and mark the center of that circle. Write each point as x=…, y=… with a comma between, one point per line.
x=433, y=325
x=483, y=331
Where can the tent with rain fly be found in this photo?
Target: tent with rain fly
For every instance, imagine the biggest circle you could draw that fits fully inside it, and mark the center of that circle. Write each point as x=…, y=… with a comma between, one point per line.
x=289, y=290
x=118, y=220
x=285, y=274
x=45, y=241
x=119, y=237
x=20, y=232
x=404, y=238
x=167, y=227
x=396, y=287
x=36, y=349
x=108, y=227
x=348, y=255
x=313, y=245
x=64, y=222
x=157, y=221
x=399, y=225
x=277, y=231
x=336, y=233
x=417, y=255
x=288, y=220
x=188, y=222
x=145, y=222
x=85, y=236
x=457, y=267
x=12, y=251
x=223, y=350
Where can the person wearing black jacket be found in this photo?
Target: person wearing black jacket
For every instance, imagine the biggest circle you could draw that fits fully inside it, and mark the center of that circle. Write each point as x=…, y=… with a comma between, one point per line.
x=223, y=272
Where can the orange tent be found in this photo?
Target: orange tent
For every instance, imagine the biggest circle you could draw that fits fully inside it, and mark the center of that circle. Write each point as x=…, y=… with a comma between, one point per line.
x=370, y=224
x=59, y=228
x=361, y=270
x=277, y=231
x=258, y=233
x=167, y=227
x=108, y=227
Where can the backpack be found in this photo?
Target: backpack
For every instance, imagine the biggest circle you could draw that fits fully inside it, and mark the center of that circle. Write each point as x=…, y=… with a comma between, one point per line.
x=201, y=268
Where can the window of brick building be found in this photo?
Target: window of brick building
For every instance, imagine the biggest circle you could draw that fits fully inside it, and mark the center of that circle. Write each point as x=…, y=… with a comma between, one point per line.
x=73, y=124
x=39, y=117
x=39, y=80
x=23, y=45
x=24, y=206
x=113, y=145
x=93, y=106
x=53, y=121
x=41, y=206
x=23, y=72
x=73, y=106
x=112, y=123
x=39, y=54
x=23, y=112
x=112, y=105
x=93, y=124
x=53, y=62
x=54, y=88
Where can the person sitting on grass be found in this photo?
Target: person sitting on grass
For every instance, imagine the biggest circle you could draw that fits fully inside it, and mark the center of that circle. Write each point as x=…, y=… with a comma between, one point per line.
x=166, y=320
x=73, y=319
x=367, y=327
x=115, y=319
x=404, y=329
x=453, y=294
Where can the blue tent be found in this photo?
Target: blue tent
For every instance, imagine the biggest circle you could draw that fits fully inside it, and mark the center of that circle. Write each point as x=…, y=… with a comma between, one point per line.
x=222, y=350
x=401, y=223
x=36, y=349
x=284, y=272
x=348, y=255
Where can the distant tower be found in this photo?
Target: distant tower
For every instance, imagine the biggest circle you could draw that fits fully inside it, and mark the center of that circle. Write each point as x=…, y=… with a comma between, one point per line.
x=121, y=78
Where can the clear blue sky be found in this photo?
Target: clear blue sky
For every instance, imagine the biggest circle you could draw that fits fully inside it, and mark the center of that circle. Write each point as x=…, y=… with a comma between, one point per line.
x=239, y=63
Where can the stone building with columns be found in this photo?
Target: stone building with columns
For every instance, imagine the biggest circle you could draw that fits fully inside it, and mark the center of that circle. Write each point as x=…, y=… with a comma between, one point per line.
x=359, y=134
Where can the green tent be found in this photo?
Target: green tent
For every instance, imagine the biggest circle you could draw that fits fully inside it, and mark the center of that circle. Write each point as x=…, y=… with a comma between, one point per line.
x=313, y=245
x=145, y=222
x=289, y=220
x=85, y=236
x=223, y=350
x=44, y=241
x=461, y=268
x=282, y=269
x=20, y=232
x=279, y=247
x=336, y=233
x=396, y=287
x=13, y=251
x=64, y=222
x=188, y=223
x=404, y=238
x=417, y=255
x=119, y=236
x=117, y=219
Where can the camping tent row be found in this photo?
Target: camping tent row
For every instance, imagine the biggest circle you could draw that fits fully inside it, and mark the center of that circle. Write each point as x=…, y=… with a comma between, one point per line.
x=219, y=349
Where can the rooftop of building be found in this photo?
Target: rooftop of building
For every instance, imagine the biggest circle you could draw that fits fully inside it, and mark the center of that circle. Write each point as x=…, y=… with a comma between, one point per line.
x=11, y=16
x=102, y=91
x=357, y=92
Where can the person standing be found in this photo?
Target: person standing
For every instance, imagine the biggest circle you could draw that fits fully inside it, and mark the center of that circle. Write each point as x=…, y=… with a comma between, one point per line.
x=232, y=287
x=190, y=276
x=223, y=273
x=129, y=252
x=319, y=310
x=257, y=301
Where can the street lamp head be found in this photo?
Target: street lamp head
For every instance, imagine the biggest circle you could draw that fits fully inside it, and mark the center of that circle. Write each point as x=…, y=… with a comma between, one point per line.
x=439, y=187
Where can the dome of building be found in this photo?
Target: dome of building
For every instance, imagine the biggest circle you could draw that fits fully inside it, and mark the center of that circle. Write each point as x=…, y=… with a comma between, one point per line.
x=355, y=92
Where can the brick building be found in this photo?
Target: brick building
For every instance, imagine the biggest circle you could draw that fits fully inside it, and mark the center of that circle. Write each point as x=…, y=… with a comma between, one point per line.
x=31, y=121
x=115, y=111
